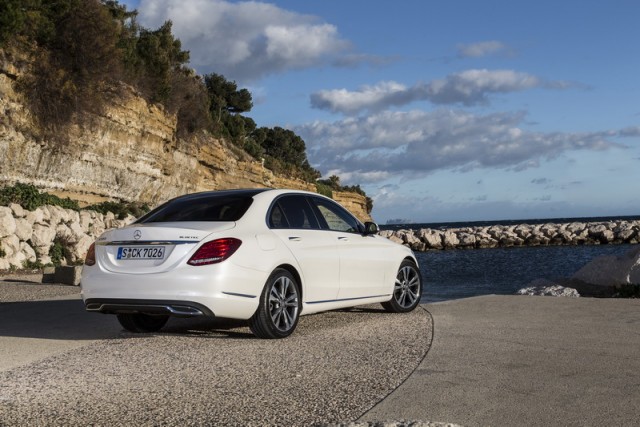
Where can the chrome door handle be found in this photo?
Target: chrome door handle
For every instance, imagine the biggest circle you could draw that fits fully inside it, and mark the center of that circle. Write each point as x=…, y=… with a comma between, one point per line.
x=294, y=238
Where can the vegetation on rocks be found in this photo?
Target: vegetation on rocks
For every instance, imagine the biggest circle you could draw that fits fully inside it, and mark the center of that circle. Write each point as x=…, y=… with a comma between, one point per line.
x=29, y=197
x=120, y=210
x=82, y=51
x=333, y=184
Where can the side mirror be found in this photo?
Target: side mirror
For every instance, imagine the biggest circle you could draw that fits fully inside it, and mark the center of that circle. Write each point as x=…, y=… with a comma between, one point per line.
x=370, y=228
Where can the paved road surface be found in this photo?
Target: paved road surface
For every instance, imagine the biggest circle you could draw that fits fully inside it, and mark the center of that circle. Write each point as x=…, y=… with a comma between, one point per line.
x=515, y=360
x=62, y=366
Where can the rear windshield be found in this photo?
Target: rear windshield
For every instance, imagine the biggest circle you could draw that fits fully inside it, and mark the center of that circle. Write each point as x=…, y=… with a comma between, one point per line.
x=216, y=208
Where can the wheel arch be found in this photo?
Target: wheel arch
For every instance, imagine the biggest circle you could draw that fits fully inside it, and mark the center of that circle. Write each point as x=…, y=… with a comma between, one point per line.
x=296, y=275
x=414, y=261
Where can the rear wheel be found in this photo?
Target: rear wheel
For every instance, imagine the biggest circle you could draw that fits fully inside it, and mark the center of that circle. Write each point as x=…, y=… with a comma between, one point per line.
x=280, y=305
x=140, y=322
x=407, y=289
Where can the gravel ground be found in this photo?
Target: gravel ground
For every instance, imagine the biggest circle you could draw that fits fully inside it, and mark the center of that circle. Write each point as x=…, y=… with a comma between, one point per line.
x=336, y=366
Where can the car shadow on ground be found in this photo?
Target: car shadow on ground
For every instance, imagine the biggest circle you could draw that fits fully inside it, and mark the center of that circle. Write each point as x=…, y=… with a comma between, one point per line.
x=55, y=320
x=208, y=328
x=68, y=320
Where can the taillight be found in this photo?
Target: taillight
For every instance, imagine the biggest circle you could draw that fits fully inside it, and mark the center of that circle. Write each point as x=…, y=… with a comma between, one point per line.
x=90, y=259
x=215, y=251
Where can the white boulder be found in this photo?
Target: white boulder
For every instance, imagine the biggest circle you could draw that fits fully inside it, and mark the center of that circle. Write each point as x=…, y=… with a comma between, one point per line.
x=23, y=229
x=28, y=252
x=7, y=222
x=80, y=249
x=543, y=287
x=18, y=211
x=43, y=235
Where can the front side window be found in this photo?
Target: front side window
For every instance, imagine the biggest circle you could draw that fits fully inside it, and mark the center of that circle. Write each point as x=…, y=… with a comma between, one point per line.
x=336, y=217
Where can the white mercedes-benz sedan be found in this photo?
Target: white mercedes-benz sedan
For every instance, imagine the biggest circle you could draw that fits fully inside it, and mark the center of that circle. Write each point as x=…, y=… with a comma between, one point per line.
x=262, y=255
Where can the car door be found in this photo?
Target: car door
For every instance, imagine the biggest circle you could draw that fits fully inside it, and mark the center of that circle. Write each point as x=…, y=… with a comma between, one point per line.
x=363, y=259
x=293, y=220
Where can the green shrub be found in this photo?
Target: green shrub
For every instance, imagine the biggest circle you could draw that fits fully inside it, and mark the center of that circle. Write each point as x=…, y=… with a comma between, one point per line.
x=32, y=265
x=30, y=198
x=2, y=253
x=324, y=189
x=57, y=252
x=120, y=210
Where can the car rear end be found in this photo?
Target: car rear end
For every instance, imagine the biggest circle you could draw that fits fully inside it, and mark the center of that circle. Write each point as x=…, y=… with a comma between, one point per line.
x=177, y=268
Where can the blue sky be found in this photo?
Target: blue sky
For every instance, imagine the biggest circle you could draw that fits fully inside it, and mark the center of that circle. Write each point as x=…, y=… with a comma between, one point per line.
x=440, y=110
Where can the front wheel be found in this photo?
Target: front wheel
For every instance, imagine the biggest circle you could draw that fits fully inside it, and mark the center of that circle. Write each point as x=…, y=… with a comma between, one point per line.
x=280, y=305
x=139, y=322
x=407, y=289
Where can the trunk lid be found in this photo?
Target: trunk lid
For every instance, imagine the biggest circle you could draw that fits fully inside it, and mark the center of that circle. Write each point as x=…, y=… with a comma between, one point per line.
x=154, y=247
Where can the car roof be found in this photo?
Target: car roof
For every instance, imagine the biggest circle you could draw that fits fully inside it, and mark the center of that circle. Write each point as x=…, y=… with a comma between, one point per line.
x=248, y=192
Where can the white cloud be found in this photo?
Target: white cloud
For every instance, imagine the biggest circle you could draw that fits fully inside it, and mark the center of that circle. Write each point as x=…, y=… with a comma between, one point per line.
x=470, y=87
x=415, y=143
x=480, y=49
x=245, y=40
x=374, y=98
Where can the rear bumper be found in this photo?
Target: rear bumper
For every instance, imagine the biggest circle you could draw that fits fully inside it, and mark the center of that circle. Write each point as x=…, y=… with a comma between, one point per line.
x=222, y=290
x=171, y=308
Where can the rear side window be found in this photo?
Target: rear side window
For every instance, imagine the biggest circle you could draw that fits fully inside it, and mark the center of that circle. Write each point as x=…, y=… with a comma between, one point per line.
x=292, y=212
x=214, y=208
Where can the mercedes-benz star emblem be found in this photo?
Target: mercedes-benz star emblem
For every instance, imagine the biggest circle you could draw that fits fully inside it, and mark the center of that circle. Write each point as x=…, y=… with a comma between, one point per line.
x=137, y=234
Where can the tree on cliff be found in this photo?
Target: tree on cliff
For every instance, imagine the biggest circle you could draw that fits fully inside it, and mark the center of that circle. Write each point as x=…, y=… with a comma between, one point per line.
x=83, y=50
x=225, y=96
x=75, y=54
x=11, y=18
x=285, y=152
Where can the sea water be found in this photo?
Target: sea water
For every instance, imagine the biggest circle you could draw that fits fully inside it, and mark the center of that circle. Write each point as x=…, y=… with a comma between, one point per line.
x=462, y=273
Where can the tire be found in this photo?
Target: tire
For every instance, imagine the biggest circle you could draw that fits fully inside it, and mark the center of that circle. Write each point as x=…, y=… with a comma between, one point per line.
x=280, y=305
x=140, y=322
x=407, y=289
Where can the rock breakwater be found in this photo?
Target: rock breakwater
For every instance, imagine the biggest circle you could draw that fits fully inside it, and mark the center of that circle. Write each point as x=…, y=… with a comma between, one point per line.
x=550, y=234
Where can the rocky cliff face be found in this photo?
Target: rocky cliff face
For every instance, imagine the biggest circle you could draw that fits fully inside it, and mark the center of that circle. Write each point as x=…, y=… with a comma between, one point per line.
x=130, y=152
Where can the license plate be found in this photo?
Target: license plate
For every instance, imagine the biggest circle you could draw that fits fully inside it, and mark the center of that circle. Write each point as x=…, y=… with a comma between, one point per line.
x=141, y=252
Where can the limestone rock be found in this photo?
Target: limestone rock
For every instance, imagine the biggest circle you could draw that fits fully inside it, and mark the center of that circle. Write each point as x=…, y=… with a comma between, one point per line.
x=432, y=238
x=467, y=240
x=79, y=250
x=10, y=245
x=18, y=211
x=86, y=221
x=7, y=222
x=609, y=270
x=43, y=235
x=28, y=252
x=23, y=229
x=449, y=240
x=139, y=157
x=544, y=287
x=36, y=217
